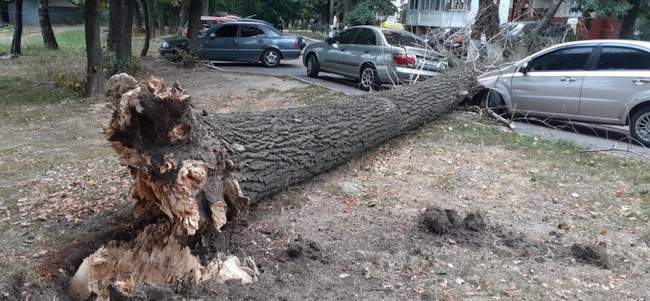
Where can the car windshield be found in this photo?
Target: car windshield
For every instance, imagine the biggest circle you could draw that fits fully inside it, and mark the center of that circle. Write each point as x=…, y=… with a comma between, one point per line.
x=403, y=39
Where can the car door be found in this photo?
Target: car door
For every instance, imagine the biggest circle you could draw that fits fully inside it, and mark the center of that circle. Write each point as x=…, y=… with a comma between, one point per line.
x=359, y=51
x=620, y=75
x=250, y=42
x=551, y=86
x=220, y=44
x=333, y=57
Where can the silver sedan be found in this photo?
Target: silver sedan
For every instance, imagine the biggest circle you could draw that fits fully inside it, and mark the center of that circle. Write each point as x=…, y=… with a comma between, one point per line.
x=374, y=56
x=598, y=81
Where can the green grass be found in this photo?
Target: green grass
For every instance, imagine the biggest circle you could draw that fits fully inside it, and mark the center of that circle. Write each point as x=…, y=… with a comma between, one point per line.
x=16, y=90
x=566, y=154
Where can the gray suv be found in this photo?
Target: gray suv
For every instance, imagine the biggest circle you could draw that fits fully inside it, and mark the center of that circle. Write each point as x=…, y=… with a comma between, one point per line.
x=374, y=56
x=599, y=81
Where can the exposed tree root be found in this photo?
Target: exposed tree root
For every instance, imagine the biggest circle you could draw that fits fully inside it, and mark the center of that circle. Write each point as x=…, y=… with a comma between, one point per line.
x=182, y=169
x=157, y=256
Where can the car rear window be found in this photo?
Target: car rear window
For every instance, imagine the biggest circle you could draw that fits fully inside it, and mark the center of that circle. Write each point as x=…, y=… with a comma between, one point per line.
x=399, y=39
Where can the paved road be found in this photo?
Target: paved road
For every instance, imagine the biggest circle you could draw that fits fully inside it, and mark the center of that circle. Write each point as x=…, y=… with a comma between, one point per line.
x=294, y=69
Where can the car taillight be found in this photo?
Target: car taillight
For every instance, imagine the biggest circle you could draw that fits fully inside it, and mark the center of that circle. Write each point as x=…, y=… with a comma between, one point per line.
x=296, y=44
x=404, y=59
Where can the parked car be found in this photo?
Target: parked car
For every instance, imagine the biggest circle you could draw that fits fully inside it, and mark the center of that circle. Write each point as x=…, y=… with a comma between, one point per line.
x=240, y=41
x=598, y=81
x=374, y=56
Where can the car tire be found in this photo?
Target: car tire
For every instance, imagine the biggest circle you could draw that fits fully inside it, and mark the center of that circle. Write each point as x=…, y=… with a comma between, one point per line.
x=368, y=78
x=640, y=126
x=312, y=65
x=494, y=101
x=271, y=58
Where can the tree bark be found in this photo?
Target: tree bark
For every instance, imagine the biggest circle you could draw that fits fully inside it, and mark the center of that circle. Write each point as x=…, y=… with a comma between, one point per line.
x=145, y=5
x=138, y=16
x=161, y=19
x=201, y=170
x=627, y=27
x=182, y=18
x=18, y=29
x=164, y=140
x=114, y=21
x=486, y=20
x=94, y=73
x=194, y=12
x=46, y=26
x=548, y=17
x=120, y=31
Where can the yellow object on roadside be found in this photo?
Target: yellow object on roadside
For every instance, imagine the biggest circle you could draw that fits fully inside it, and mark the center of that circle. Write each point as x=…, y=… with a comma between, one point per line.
x=392, y=25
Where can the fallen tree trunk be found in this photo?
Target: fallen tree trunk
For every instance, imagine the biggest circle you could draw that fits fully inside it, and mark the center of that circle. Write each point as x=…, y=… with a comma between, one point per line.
x=183, y=162
x=201, y=170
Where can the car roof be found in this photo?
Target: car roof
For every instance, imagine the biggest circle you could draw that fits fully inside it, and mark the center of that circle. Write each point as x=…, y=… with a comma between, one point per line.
x=617, y=42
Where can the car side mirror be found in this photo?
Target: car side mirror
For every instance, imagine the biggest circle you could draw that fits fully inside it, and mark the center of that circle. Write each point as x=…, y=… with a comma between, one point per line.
x=330, y=41
x=213, y=35
x=524, y=68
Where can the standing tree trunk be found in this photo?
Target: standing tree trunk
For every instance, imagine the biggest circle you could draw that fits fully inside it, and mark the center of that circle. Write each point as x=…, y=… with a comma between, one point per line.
x=201, y=170
x=46, y=26
x=146, y=4
x=138, y=16
x=548, y=17
x=194, y=11
x=18, y=29
x=120, y=31
x=161, y=19
x=94, y=73
x=627, y=27
x=486, y=20
x=182, y=18
x=114, y=21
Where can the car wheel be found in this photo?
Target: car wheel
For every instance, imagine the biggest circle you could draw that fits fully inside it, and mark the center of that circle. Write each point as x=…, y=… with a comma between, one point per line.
x=640, y=126
x=494, y=101
x=312, y=65
x=368, y=78
x=271, y=58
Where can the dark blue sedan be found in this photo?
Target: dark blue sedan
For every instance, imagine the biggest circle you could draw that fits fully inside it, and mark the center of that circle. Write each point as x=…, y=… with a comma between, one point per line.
x=242, y=42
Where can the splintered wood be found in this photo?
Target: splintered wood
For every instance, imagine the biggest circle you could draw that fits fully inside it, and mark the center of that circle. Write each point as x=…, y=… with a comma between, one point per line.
x=157, y=256
x=183, y=170
x=148, y=119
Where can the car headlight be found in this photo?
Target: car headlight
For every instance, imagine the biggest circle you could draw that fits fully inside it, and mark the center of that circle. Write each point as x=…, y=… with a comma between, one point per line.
x=164, y=45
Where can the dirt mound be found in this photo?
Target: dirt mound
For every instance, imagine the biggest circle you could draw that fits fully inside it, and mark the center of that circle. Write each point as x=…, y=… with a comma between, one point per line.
x=591, y=254
x=299, y=248
x=443, y=221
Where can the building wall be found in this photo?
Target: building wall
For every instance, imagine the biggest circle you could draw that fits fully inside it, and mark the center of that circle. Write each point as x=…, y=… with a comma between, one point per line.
x=58, y=14
x=450, y=18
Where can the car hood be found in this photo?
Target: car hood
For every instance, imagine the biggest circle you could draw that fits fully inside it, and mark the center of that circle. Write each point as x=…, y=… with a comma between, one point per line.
x=499, y=70
x=175, y=40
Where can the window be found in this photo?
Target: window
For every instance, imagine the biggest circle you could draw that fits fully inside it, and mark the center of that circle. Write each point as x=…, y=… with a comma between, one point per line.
x=620, y=58
x=249, y=30
x=347, y=36
x=227, y=31
x=366, y=37
x=563, y=59
x=401, y=39
x=442, y=5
